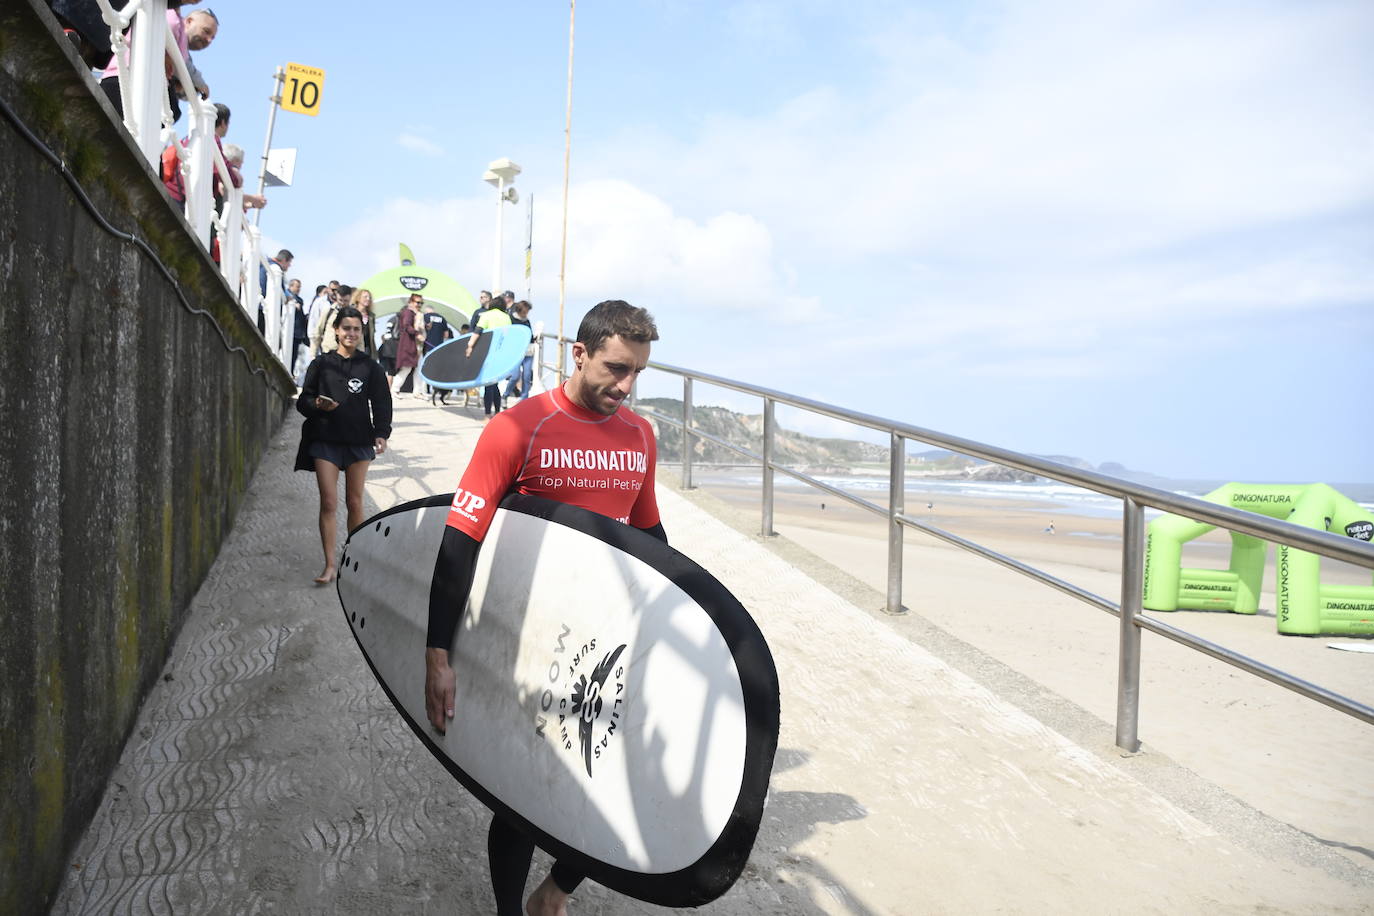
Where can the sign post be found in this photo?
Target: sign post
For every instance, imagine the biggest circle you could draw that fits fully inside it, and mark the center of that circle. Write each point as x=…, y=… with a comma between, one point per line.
x=273, y=101
x=298, y=88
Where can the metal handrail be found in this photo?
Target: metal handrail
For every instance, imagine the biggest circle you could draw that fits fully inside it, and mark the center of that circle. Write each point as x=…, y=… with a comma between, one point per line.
x=1134, y=498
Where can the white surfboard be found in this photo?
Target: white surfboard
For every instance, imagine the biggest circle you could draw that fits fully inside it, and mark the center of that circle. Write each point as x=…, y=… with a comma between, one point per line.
x=613, y=698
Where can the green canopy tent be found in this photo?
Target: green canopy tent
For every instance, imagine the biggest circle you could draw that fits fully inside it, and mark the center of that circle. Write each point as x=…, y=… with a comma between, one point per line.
x=392, y=287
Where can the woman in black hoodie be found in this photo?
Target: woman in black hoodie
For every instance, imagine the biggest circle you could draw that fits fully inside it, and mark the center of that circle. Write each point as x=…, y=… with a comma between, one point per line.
x=346, y=403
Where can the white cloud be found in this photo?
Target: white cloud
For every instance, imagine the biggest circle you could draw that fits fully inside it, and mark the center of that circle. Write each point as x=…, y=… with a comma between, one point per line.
x=622, y=242
x=418, y=144
x=1062, y=160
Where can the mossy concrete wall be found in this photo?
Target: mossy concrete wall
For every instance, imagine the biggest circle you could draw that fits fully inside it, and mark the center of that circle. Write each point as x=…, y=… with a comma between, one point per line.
x=129, y=432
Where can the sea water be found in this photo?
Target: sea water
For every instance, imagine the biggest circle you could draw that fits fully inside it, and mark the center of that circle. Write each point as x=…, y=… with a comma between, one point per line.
x=1059, y=498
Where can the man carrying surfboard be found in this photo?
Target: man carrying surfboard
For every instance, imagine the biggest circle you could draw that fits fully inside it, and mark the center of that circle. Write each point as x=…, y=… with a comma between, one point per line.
x=573, y=444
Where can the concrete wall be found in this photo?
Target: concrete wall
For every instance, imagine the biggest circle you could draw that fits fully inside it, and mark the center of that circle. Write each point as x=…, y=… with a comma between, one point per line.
x=128, y=434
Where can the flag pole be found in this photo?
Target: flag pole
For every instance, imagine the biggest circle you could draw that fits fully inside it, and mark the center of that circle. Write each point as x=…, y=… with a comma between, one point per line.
x=529, y=246
x=567, y=158
x=280, y=79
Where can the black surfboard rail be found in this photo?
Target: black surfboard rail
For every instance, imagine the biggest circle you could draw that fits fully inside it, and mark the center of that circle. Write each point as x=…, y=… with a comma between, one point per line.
x=717, y=869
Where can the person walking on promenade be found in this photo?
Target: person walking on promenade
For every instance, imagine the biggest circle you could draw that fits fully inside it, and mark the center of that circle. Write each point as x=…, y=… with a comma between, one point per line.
x=362, y=301
x=300, y=337
x=323, y=339
x=409, y=327
x=347, y=410
x=612, y=348
x=437, y=330
x=524, y=373
x=493, y=316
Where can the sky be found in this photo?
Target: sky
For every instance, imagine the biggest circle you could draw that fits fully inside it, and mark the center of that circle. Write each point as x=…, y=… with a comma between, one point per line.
x=1138, y=232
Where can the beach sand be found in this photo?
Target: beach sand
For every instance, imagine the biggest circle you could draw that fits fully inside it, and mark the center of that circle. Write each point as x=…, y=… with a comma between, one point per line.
x=1300, y=762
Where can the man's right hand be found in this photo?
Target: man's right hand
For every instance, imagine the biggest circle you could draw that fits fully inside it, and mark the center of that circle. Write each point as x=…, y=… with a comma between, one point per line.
x=439, y=689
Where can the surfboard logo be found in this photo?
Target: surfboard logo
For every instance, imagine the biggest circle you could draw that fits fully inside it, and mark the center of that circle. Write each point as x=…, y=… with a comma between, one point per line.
x=588, y=683
x=588, y=699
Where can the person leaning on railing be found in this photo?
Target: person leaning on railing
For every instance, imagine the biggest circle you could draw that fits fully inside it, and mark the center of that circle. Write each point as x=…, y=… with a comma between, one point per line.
x=233, y=158
x=193, y=33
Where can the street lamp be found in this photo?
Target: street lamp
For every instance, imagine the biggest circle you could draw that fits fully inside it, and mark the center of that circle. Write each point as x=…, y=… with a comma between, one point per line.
x=499, y=175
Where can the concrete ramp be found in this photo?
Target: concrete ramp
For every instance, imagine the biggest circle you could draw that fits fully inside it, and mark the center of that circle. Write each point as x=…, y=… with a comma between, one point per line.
x=268, y=772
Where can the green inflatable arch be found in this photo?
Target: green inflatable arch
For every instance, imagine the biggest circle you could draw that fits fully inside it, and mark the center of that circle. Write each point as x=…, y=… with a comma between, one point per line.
x=1305, y=606
x=392, y=287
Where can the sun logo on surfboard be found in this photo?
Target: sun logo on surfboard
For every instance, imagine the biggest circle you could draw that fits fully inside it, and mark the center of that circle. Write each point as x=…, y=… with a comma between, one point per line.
x=588, y=698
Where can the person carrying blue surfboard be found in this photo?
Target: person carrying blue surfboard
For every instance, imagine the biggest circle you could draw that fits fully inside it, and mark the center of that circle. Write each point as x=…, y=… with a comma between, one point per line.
x=488, y=319
x=574, y=444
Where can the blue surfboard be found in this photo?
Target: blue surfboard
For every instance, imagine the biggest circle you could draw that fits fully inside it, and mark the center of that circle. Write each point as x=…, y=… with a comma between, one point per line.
x=495, y=356
x=614, y=701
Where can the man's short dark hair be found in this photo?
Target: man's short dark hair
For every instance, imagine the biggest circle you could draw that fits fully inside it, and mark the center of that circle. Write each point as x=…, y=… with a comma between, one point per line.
x=221, y=114
x=347, y=311
x=345, y=290
x=615, y=318
x=285, y=255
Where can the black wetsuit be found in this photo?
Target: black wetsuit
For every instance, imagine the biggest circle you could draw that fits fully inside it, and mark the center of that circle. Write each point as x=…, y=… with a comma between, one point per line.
x=510, y=433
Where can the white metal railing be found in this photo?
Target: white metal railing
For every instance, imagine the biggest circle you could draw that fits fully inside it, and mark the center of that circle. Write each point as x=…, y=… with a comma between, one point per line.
x=143, y=86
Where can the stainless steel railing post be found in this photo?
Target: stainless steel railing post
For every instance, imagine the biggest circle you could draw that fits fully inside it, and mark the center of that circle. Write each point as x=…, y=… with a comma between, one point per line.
x=1136, y=497
x=686, y=433
x=768, y=425
x=896, y=507
x=1128, y=657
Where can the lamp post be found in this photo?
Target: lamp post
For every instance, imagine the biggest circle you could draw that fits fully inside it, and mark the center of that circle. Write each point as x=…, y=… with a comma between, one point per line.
x=499, y=175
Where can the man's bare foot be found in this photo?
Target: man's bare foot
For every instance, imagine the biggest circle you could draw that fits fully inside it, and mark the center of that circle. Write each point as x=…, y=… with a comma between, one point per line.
x=327, y=576
x=547, y=900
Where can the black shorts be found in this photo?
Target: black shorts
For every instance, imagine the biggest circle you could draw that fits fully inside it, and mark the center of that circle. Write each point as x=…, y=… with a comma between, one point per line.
x=341, y=454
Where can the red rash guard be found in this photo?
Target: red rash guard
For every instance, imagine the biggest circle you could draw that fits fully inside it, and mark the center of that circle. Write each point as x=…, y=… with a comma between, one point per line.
x=548, y=446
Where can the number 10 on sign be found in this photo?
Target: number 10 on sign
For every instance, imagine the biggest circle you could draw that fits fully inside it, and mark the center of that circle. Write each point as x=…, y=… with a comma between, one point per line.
x=302, y=89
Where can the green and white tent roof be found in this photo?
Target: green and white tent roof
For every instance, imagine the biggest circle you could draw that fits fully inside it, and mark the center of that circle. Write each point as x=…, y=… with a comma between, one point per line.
x=392, y=287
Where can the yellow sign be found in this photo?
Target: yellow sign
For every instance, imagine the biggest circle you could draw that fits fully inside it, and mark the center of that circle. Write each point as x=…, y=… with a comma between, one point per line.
x=301, y=91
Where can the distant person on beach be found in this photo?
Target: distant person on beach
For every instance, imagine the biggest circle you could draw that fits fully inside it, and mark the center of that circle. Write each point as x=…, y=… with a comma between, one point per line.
x=347, y=408
x=1050, y=528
